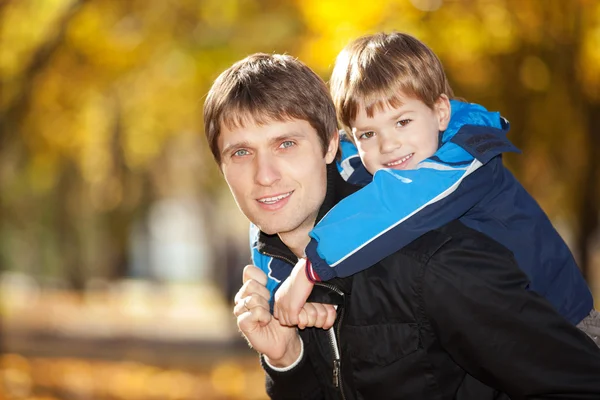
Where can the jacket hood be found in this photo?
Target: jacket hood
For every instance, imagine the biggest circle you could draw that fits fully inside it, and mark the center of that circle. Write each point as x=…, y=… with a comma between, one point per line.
x=463, y=113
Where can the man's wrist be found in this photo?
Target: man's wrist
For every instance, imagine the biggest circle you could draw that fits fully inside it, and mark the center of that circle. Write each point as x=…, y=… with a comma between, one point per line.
x=290, y=359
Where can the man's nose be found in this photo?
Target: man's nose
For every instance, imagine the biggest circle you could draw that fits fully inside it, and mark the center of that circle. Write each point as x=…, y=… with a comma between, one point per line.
x=266, y=170
x=388, y=143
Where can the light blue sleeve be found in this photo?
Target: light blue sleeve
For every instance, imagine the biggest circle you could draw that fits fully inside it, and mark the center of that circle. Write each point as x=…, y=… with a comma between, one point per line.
x=373, y=216
x=261, y=260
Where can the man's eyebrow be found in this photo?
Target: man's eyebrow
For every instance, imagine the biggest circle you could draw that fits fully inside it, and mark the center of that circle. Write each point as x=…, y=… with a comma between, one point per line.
x=279, y=138
x=288, y=136
x=236, y=145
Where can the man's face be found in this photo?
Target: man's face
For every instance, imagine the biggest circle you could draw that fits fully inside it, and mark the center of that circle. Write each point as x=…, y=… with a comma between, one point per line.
x=400, y=137
x=276, y=173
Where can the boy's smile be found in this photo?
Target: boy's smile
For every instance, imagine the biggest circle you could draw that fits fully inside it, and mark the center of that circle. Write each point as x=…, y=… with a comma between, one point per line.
x=399, y=137
x=399, y=163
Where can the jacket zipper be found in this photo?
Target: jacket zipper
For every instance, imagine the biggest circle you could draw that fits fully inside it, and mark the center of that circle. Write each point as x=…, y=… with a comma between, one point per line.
x=287, y=260
x=337, y=361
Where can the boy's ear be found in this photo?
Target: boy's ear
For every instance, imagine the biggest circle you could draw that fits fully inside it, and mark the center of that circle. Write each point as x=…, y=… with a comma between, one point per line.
x=443, y=110
x=332, y=147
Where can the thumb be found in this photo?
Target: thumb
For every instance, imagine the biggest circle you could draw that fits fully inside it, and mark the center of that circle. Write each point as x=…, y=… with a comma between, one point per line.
x=255, y=273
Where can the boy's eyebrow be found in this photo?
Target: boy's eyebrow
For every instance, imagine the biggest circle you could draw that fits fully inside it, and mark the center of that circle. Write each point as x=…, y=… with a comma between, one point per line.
x=399, y=114
x=361, y=129
x=392, y=118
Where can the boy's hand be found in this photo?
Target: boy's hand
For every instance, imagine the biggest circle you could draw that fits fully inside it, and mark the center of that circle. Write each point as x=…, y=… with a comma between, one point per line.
x=292, y=294
x=291, y=308
x=317, y=315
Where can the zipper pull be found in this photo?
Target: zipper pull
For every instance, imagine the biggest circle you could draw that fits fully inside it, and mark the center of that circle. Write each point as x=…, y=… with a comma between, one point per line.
x=336, y=373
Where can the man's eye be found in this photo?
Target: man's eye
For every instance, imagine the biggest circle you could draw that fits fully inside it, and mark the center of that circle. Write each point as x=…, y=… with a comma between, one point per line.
x=286, y=144
x=367, y=135
x=241, y=153
x=403, y=122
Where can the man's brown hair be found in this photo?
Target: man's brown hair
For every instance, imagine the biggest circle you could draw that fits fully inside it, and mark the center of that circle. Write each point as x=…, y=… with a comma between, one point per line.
x=372, y=71
x=268, y=87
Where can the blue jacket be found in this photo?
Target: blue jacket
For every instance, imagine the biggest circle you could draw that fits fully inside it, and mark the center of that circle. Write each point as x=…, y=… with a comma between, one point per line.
x=466, y=180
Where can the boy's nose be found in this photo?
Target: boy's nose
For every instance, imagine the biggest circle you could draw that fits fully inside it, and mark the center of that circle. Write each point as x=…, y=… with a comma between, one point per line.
x=266, y=170
x=388, y=143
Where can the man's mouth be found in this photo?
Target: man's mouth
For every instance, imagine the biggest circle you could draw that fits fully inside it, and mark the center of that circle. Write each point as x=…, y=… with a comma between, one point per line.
x=274, y=199
x=400, y=161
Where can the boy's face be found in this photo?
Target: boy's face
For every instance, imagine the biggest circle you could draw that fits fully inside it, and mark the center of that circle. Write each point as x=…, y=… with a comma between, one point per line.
x=277, y=173
x=400, y=137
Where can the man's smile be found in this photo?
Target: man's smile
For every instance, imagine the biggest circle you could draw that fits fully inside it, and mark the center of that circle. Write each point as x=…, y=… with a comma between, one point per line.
x=273, y=202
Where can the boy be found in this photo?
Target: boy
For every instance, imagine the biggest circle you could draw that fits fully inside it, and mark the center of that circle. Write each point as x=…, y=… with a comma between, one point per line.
x=393, y=98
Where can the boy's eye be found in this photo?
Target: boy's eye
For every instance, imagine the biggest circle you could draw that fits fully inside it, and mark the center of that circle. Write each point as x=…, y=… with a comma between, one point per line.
x=241, y=153
x=403, y=122
x=366, y=135
x=286, y=144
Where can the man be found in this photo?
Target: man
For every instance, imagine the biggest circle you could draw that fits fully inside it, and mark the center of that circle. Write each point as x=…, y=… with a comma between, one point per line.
x=434, y=320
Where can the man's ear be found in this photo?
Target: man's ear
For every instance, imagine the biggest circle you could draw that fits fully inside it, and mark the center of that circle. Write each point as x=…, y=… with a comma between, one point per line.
x=332, y=147
x=443, y=110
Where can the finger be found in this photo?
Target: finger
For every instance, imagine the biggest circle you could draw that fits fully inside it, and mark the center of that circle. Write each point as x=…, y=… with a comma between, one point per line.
x=239, y=308
x=292, y=318
x=302, y=319
x=282, y=316
x=311, y=314
x=317, y=315
x=255, y=273
x=248, y=322
x=321, y=315
x=240, y=294
x=248, y=303
x=256, y=300
x=251, y=287
x=331, y=314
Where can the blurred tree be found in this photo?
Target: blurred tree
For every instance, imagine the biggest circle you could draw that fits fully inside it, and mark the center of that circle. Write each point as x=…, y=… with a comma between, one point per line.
x=538, y=62
x=94, y=92
x=17, y=86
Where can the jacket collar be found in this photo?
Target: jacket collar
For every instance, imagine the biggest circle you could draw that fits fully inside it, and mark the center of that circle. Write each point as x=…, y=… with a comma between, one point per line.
x=337, y=189
x=463, y=113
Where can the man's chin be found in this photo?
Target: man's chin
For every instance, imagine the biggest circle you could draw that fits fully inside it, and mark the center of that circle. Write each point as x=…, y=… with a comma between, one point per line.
x=276, y=229
x=269, y=229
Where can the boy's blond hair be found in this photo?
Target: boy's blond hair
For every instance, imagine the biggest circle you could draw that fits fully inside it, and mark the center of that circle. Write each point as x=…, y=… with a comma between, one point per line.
x=373, y=70
x=268, y=87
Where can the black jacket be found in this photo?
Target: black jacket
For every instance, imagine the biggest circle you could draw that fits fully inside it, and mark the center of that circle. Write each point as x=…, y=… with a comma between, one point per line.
x=447, y=317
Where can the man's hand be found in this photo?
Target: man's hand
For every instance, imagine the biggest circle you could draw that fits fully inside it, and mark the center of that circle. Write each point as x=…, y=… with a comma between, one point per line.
x=280, y=344
x=291, y=308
